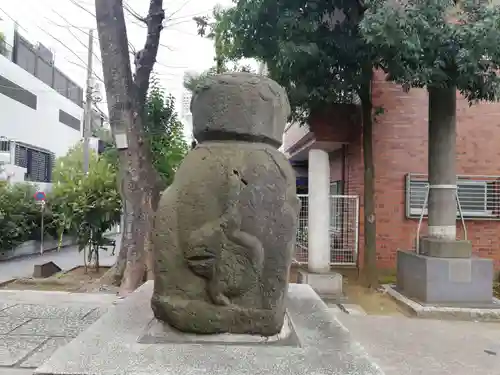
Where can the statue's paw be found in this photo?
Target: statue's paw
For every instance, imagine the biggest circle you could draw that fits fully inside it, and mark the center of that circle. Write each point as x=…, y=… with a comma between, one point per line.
x=202, y=264
x=221, y=299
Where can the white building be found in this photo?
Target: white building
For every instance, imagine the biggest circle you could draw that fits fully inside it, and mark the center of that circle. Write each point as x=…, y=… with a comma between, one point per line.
x=41, y=111
x=186, y=115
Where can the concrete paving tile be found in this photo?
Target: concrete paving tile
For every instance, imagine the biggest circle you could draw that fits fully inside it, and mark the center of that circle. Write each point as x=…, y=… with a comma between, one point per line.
x=8, y=323
x=35, y=297
x=95, y=314
x=15, y=371
x=5, y=305
x=65, y=327
x=45, y=311
x=15, y=348
x=44, y=352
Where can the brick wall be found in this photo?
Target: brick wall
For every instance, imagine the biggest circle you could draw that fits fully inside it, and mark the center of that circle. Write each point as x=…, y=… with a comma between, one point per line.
x=400, y=147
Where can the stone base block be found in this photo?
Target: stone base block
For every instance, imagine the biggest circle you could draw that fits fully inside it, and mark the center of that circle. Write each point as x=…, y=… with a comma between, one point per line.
x=452, y=281
x=325, y=284
x=112, y=346
x=435, y=247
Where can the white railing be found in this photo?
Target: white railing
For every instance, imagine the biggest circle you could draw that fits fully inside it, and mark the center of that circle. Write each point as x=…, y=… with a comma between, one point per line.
x=344, y=229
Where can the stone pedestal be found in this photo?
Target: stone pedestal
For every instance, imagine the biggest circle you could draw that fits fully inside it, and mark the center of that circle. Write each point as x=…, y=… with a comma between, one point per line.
x=436, y=247
x=325, y=284
x=445, y=281
x=317, y=344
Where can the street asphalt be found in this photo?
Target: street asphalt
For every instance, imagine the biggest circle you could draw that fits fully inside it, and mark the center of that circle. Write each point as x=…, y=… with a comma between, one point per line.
x=66, y=258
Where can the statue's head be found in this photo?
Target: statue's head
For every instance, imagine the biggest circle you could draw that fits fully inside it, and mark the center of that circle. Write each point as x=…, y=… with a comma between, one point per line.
x=240, y=106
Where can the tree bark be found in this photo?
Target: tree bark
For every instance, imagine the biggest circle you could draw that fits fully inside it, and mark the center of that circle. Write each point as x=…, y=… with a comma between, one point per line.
x=442, y=163
x=126, y=99
x=370, y=276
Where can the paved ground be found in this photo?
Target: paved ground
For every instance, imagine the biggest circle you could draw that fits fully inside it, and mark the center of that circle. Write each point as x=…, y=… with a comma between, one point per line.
x=404, y=346
x=65, y=258
x=33, y=324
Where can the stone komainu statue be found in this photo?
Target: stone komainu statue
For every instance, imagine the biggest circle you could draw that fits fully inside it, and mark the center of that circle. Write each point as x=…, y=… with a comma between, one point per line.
x=224, y=231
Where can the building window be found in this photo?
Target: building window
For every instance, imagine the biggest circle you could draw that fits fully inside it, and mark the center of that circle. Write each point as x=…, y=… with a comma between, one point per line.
x=38, y=163
x=17, y=93
x=479, y=196
x=66, y=119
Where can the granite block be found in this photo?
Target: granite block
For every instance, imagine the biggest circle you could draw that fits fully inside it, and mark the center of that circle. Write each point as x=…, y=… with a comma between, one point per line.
x=5, y=305
x=95, y=314
x=15, y=348
x=158, y=332
x=44, y=351
x=15, y=371
x=66, y=327
x=9, y=323
x=325, y=346
x=46, y=311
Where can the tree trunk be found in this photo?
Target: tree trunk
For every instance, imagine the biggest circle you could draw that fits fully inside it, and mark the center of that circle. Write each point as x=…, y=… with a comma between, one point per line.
x=370, y=276
x=442, y=163
x=125, y=104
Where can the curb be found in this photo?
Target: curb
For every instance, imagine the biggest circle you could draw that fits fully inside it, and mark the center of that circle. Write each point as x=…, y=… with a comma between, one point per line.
x=443, y=312
x=37, y=254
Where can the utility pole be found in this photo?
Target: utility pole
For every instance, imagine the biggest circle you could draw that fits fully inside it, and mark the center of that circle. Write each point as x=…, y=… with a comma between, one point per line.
x=88, y=105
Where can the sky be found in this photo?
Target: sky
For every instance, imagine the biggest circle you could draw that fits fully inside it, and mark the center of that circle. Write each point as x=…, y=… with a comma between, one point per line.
x=62, y=26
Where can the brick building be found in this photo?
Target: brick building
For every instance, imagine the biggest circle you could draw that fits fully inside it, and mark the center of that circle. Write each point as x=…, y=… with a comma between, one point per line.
x=328, y=158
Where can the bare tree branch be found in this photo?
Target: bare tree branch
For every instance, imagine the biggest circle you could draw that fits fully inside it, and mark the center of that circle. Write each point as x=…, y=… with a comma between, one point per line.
x=134, y=14
x=145, y=58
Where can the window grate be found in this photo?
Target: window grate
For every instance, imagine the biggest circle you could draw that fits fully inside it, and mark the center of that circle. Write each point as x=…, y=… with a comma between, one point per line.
x=38, y=163
x=479, y=196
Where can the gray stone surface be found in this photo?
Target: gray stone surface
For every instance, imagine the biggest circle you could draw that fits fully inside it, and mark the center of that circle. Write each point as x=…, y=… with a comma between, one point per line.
x=69, y=327
x=58, y=299
x=15, y=371
x=326, y=285
x=158, y=332
x=241, y=105
x=225, y=229
x=445, y=280
x=111, y=343
x=403, y=346
x=46, y=311
x=35, y=323
x=4, y=305
x=13, y=349
x=43, y=352
x=437, y=247
x=95, y=313
x=9, y=323
x=489, y=313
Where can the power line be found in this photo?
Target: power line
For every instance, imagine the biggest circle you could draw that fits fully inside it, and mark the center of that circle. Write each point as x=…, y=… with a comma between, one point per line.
x=82, y=8
x=74, y=36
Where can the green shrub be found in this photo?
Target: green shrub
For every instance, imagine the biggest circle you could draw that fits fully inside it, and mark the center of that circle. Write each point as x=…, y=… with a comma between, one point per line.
x=19, y=214
x=85, y=206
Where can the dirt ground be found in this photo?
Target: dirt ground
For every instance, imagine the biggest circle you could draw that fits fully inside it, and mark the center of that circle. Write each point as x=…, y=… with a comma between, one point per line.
x=373, y=302
x=75, y=280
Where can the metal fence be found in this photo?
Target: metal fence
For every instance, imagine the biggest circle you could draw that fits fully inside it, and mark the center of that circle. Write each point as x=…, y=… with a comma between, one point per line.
x=344, y=229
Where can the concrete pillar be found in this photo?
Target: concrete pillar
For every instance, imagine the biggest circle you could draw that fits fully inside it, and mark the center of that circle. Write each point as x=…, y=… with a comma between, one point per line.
x=442, y=163
x=319, y=212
